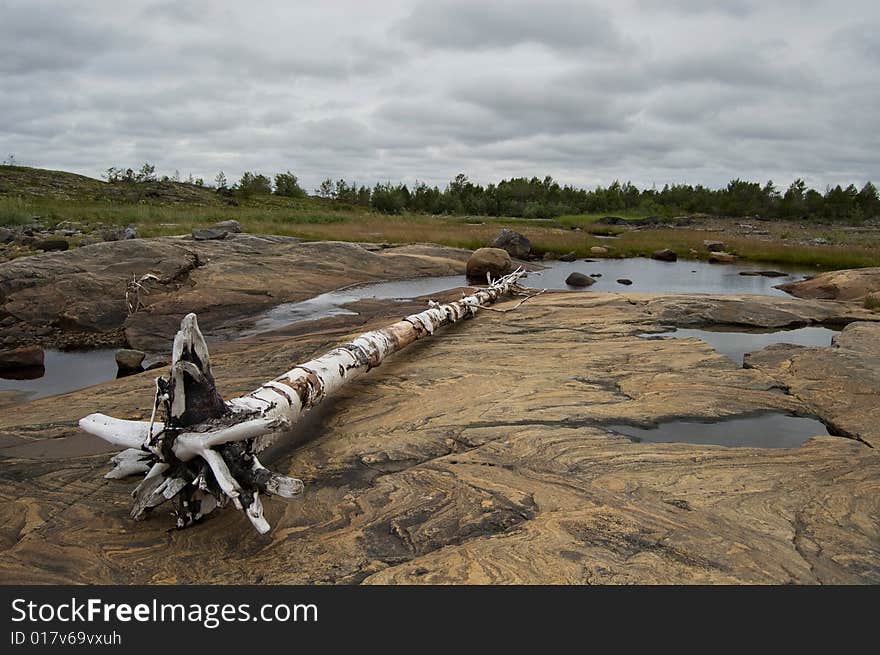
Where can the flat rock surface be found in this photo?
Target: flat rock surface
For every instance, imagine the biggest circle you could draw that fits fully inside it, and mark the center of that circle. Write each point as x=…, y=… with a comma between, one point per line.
x=480, y=456
x=849, y=284
x=79, y=297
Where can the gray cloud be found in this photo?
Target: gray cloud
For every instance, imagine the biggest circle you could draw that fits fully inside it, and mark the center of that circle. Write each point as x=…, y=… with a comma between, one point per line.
x=676, y=91
x=736, y=8
x=35, y=38
x=555, y=24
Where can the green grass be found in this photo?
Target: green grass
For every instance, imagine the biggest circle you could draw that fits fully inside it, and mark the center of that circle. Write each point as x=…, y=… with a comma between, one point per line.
x=169, y=209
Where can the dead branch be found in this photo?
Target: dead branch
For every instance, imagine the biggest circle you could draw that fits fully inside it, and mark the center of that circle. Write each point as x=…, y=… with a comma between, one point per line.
x=203, y=455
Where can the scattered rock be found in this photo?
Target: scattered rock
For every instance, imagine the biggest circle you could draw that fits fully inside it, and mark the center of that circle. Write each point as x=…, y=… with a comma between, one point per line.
x=595, y=275
x=678, y=221
x=158, y=364
x=713, y=246
x=119, y=234
x=847, y=284
x=231, y=226
x=129, y=360
x=6, y=235
x=495, y=261
x=664, y=255
x=625, y=281
x=765, y=273
x=599, y=250
x=568, y=257
x=18, y=358
x=579, y=280
x=209, y=233
x=722, y=258
x=516, y=245
x=48, y=245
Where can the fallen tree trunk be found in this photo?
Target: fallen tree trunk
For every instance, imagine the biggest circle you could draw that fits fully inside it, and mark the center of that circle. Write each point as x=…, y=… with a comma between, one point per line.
x=204, y=453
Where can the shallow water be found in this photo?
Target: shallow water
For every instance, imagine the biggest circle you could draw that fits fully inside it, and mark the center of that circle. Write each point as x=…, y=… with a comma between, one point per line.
x=330, y=303
x=767, y=430
x=66, y=371
x=649, y=275
x=735, y=344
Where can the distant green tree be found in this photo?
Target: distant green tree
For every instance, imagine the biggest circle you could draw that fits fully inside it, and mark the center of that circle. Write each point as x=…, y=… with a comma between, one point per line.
x=10, y=160
x=868, y=200
x=793, y=200
x=220, y=181
x=389, y=199
x=114, y=174
x=252, y=184
x=839, y=202
x=147, y=173
x=326, y=189
x=287, y=184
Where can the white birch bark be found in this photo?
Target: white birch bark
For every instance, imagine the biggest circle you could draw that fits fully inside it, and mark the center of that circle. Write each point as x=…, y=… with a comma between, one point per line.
x=204, y=453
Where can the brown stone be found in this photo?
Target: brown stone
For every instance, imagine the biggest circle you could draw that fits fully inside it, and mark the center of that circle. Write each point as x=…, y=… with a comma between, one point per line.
x=493, y=261
x=18, y=358
x=847, y=284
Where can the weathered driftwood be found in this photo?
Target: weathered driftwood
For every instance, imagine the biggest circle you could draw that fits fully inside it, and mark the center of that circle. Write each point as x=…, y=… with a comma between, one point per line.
x=204, y=453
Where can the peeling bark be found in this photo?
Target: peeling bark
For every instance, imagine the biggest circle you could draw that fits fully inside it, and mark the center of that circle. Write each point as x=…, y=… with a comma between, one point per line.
x=204, y=453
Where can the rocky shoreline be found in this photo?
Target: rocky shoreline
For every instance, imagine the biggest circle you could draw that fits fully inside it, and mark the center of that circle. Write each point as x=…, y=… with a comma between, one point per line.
x=77, y=299
x=481, y=456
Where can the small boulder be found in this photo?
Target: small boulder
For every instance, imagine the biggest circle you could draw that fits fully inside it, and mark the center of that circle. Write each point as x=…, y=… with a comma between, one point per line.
x=129, y=360
x=6, y=235
x=119, y=234
x=48, y=245
x=713, y=246
x=664, y=255
x=579, y=280
x=494, y=261
x=599, y=250
x=209, y=233
x=765, y=273
x=624, y=281
x=21, y=358
x=516, y=245
x=568, y=257
x=231, y=226
x=722, y=258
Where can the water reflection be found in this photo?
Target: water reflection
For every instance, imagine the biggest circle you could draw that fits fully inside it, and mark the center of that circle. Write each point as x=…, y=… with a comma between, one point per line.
x=653, y=276
x=767, y=430
x=66, y=371
x=735, y=344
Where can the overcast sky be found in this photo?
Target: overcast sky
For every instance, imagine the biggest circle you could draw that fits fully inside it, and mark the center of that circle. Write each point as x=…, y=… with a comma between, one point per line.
x=652, y=91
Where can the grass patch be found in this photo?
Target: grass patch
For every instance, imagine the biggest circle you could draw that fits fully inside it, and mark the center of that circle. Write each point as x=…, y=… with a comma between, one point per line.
x=318, y=219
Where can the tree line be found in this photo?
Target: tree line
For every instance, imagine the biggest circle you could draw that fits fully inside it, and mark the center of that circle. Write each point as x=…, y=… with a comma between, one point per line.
x=545, y=198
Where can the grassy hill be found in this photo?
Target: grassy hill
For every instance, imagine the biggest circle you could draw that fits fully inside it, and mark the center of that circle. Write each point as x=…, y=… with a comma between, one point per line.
x=38, y=183
x=29, y=195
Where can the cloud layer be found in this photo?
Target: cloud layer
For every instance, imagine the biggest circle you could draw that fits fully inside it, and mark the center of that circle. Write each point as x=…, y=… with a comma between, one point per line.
x=653, y=92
